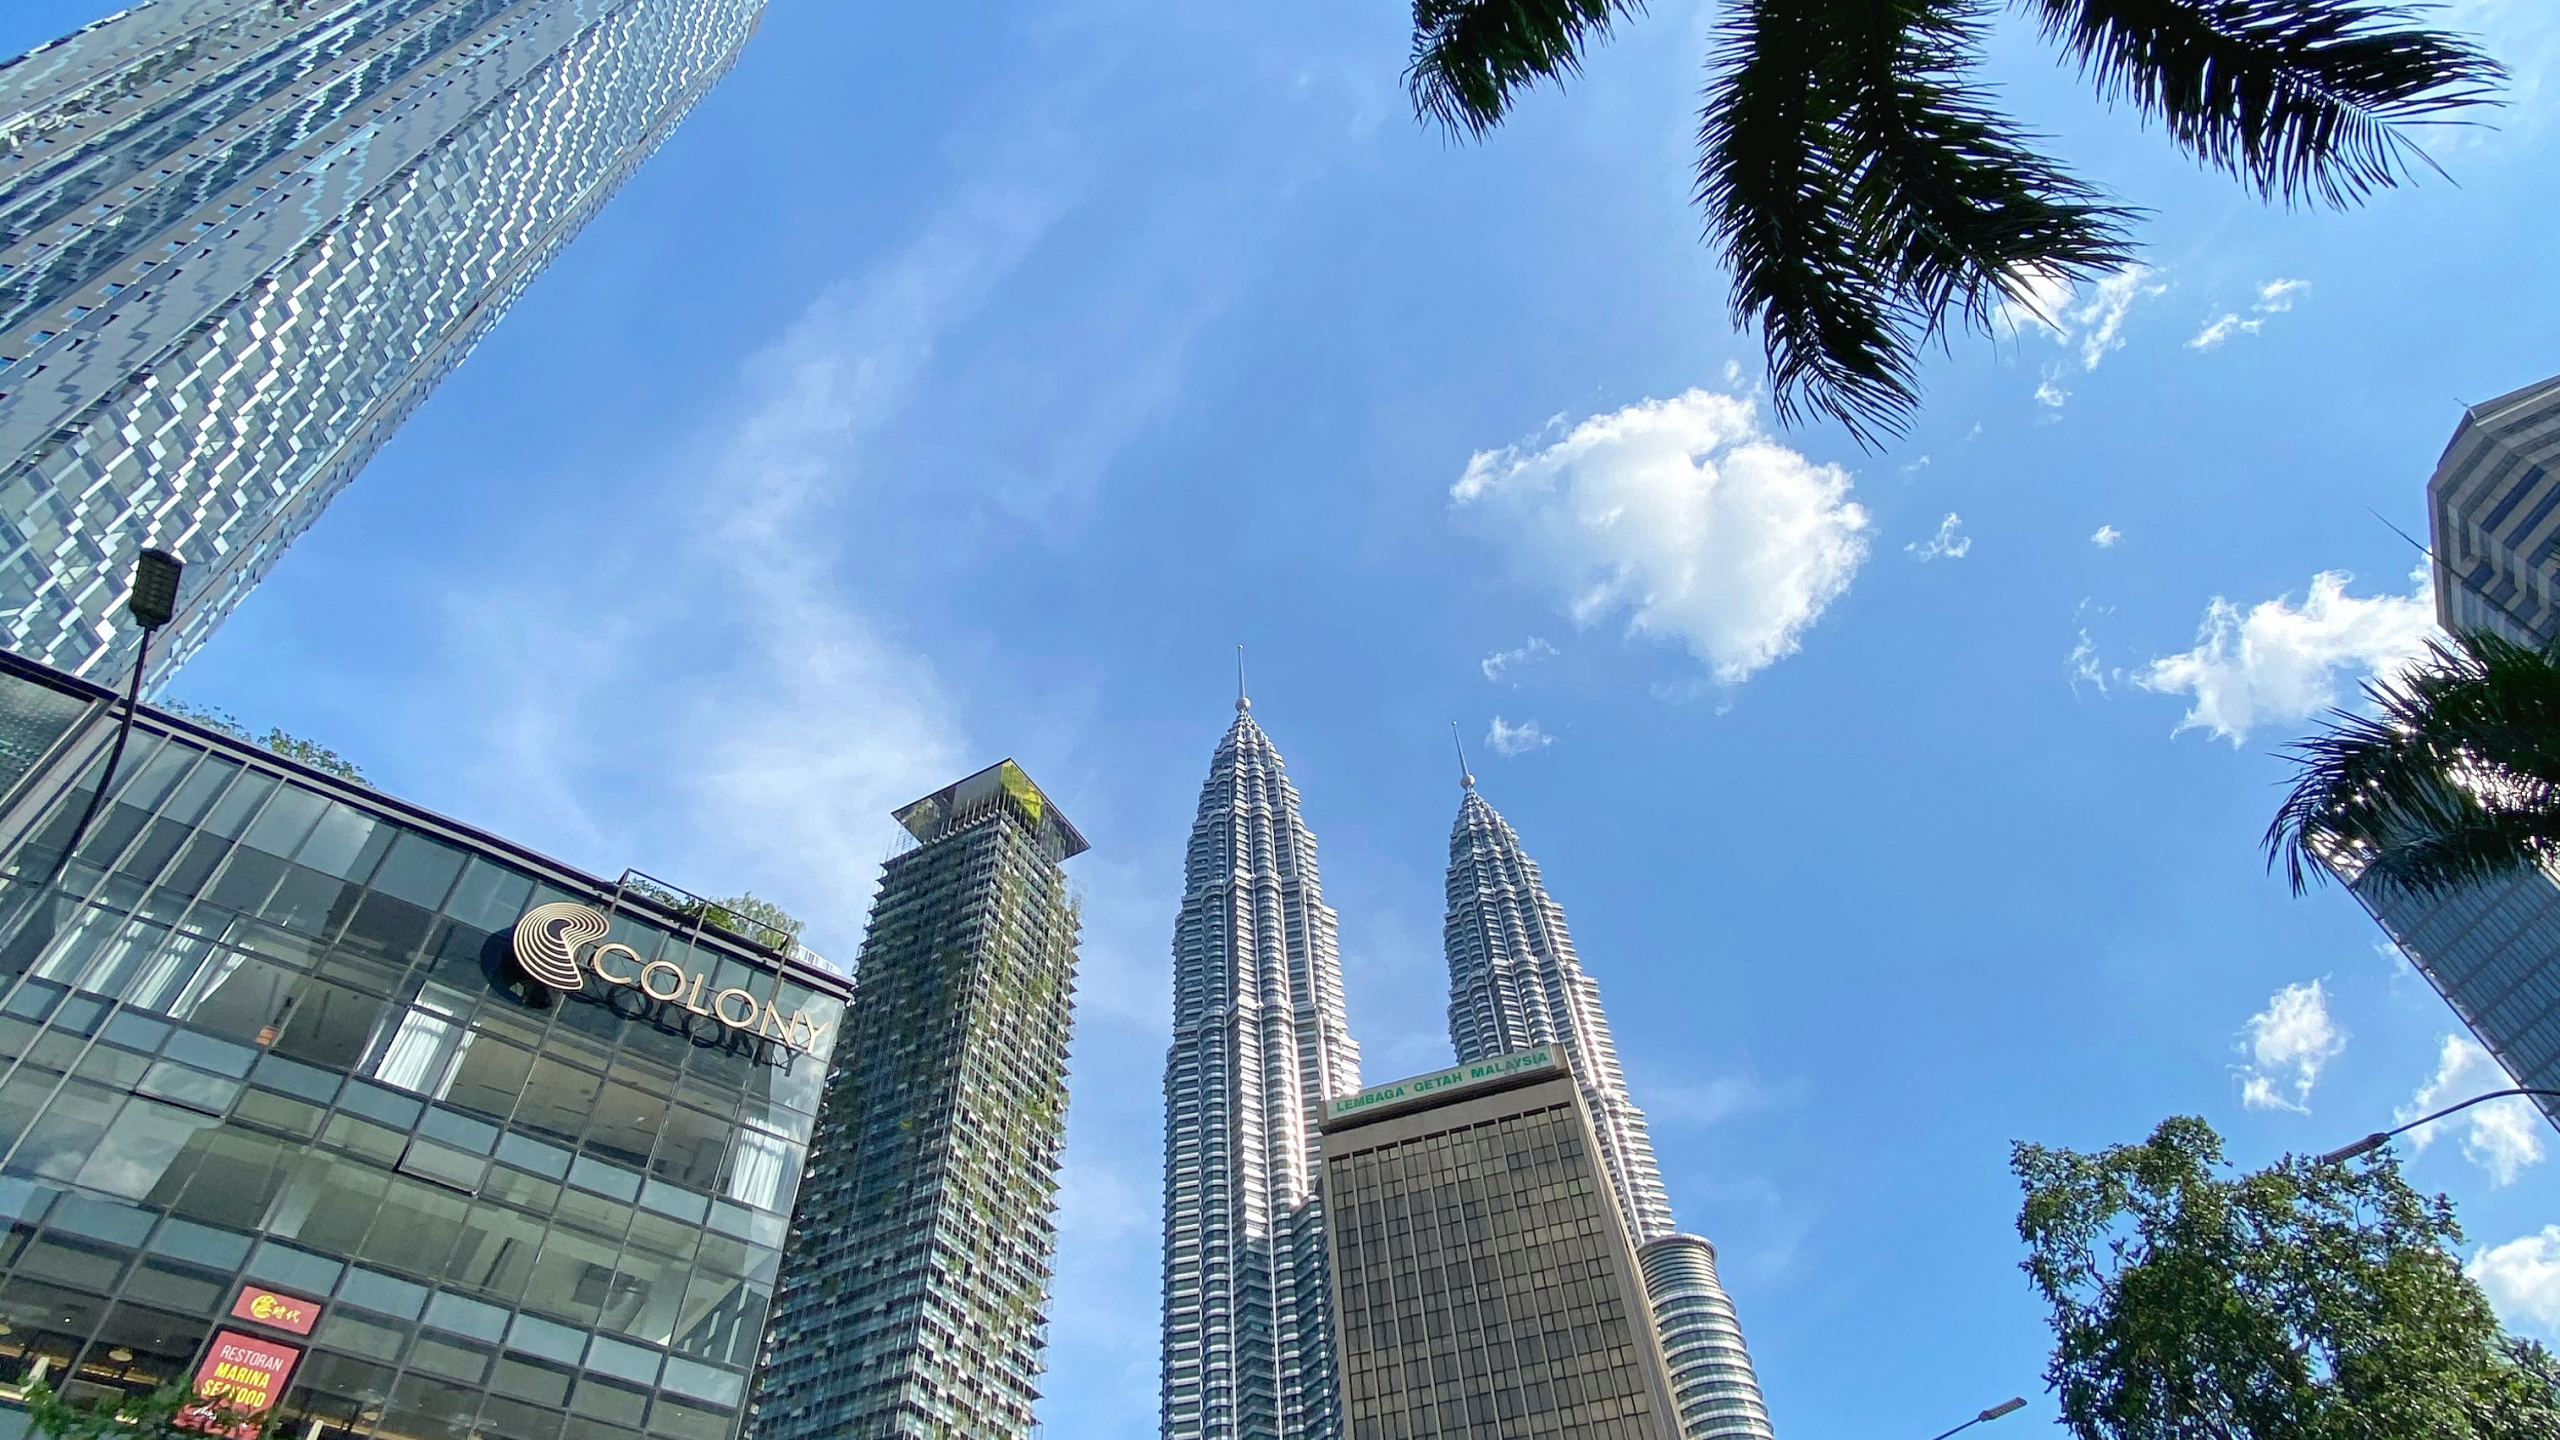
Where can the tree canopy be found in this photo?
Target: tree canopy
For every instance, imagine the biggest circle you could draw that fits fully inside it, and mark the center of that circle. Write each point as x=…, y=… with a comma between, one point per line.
x=2454, y=781
x=2305, y=1301
x=1869, y=194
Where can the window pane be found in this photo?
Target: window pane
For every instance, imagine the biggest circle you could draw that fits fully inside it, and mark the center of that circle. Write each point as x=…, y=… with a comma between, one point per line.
x=489, y=1075
x=328, y=1203
x=328, y=1025
x=496, y=1252
x=139, y=1146
x=237, y=995
x=71, y=1127
x=419, y=870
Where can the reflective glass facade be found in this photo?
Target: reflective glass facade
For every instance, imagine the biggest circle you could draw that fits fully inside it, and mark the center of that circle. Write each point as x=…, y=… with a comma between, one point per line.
x=913, y=1296
x=240, y=240
x=1484, y=1284
x=2493, y=951
x=262, y=1028
x=2493, y=506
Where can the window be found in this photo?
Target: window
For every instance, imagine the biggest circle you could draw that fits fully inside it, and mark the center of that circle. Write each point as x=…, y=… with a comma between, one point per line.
x=429, y=1046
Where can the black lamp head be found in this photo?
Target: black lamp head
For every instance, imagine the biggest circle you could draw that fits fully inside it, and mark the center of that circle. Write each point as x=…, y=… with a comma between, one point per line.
x=155, y=588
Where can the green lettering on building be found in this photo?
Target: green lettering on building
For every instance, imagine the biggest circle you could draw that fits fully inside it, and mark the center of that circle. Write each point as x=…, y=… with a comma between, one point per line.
x=1541, y=1058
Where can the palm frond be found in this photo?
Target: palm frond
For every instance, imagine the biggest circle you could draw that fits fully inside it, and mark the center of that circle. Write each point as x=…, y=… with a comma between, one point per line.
x=2298, y=98
x=2454, y=781
x=1867, y=196
x=1469, y=56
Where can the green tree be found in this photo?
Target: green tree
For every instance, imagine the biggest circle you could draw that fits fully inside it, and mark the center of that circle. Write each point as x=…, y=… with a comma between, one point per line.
x=276, y=742
x=756, y=919
x=1868, y=194
x=171, y=1412
x=2301, y=1302
x=2455, y=781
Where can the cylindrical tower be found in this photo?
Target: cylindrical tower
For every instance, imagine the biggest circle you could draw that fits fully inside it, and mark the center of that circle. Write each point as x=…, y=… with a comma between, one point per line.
x=1717, y=1391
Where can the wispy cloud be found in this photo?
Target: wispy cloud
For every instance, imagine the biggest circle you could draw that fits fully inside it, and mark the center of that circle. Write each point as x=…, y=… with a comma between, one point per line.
x=1945, y=545
x=2279, y=662
x=1509, y=739
x=2084, y=666
x=1682, y=514
x=2274, y=298
x=2049, y=392
x=2501, y=1137
x=2522, y=1280
x=2289, y=1043
x=780, y=718
x=2106, y=537
x=2089, y=319
x=1503, y=662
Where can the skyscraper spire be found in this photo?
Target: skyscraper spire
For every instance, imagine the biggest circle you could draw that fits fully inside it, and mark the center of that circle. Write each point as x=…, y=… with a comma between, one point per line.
x=1515, y=982
x=1259, y=1043
x=1466, y=777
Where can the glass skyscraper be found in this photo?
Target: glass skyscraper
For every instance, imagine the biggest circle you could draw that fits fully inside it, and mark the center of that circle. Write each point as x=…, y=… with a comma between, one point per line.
x=2493, y=507
x=1486, y=1285
x=1260, y=1042
x=240, y=240
x=467, y=1143
x=1514, y=983
x=914, y=1288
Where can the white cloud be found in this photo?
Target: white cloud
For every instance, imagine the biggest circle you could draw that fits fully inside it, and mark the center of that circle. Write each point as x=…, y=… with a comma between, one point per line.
x=2106, y=537
x=1946, y=544
x=2277, y=296
x=2090, y=319
x=2289, y=1043
x=2522, y=1279
x=2274, y=298
x=1496, y=665
x=2222, y=328
x=1682, y=513
x=2278, y=663
x=2501, y=1137
x=2051, y=395
x=1509, y=739
x=2084, y=666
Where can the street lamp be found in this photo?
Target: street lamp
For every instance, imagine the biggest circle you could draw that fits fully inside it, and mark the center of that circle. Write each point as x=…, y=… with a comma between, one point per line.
x=152, y=603
x=2013, y=1403
x=2378, y=1138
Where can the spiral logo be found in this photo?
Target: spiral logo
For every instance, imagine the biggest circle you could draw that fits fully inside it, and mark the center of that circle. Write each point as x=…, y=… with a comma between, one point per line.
x=549, y=937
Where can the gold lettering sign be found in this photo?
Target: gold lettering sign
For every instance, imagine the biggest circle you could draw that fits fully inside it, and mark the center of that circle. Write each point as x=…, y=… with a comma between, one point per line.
x=551, y=939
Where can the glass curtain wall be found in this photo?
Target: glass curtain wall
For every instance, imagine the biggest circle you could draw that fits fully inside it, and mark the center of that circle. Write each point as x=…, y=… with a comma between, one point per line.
x=252, y=1031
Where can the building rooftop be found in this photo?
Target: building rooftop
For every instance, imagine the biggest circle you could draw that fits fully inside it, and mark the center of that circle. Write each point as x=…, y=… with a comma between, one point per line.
x=1002, y=783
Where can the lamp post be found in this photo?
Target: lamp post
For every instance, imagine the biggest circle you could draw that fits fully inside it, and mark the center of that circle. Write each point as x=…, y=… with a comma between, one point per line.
x=2013, y=1403
x=2379, y=1138
x=153, y=603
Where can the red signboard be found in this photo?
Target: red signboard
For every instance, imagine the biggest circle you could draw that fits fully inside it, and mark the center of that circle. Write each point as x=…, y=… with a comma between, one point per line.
x=285, y=1312
x=245, y=1375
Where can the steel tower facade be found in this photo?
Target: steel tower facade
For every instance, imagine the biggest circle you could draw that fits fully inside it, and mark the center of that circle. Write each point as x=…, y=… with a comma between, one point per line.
x=1260, y=1042
x=240, y=240
x=1514, y=983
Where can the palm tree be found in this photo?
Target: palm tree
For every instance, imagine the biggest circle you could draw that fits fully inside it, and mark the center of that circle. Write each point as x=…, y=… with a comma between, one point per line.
x=2455, y=781
x=1869, y=197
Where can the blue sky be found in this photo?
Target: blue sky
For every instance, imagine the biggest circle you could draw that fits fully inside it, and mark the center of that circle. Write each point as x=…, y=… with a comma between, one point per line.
x=960, y=384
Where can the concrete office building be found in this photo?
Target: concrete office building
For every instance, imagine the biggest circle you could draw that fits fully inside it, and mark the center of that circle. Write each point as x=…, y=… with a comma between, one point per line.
x=1260, y=1041
x=240, y=240
x=1484, y=1283
x=441, y=1137
x=1516, y=982
x=2493, y=508
x=918, y=1271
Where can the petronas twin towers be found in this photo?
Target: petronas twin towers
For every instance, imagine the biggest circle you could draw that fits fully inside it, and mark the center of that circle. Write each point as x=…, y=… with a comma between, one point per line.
x=1261, y=1040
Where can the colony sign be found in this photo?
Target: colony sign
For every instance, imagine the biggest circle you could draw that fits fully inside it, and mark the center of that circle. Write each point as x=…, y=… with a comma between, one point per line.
x=552, y=940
